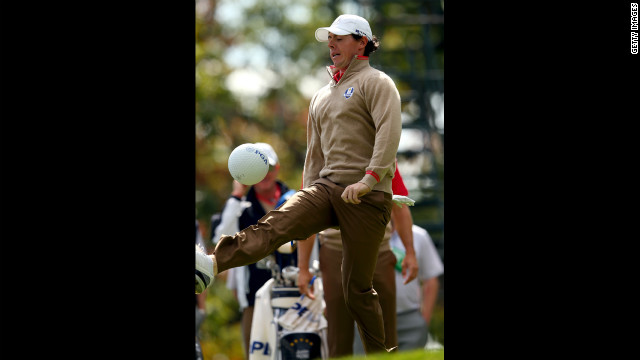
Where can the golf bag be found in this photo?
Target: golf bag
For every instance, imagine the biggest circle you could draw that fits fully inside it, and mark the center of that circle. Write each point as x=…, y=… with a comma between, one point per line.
x=287, y=325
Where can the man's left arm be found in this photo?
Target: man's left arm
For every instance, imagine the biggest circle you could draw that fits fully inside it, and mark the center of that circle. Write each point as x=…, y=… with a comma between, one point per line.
x=383, y=100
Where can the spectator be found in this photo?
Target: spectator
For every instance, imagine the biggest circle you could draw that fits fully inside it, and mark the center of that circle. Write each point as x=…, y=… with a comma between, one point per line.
x=241, y=211
x=415, y=301
x=200, y=299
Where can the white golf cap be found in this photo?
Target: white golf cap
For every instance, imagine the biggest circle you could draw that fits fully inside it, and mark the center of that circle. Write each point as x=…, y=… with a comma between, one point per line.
x=345, y=25
x=273, y=157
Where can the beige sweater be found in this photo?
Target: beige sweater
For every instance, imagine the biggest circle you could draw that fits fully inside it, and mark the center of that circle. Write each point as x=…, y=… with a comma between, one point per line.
x=353, y=129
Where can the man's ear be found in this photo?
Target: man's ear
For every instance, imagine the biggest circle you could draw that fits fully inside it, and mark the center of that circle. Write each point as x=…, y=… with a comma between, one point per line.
x=364, y=41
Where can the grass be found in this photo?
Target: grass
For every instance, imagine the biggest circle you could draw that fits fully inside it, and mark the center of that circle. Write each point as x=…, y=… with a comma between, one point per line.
x=406, y=355
x=221, y=338
x=227, y=346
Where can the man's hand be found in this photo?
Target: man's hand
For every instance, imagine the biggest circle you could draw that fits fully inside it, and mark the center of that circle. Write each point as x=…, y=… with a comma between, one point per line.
x=239, y=189
x=352, y=192
x=409, y=267
x=304, y=277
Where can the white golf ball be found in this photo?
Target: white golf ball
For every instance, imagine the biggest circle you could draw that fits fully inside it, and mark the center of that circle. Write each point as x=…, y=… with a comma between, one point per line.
x=248, y=164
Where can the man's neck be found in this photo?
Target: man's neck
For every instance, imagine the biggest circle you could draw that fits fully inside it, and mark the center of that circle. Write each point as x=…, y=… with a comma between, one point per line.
x=338, y=72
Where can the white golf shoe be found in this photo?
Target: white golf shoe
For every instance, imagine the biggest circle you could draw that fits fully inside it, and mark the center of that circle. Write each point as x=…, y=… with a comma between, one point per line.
x=204, y=270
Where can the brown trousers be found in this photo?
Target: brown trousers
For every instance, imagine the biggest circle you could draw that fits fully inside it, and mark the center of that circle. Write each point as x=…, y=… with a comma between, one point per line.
x=308, y=212
x=340, y=323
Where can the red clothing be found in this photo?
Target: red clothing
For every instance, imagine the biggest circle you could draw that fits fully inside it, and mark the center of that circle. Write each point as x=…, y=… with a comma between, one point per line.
x=338, y=74
x=397, y=184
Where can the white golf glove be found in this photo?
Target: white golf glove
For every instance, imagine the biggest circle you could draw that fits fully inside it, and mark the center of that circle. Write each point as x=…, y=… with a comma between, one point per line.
x=400, y=200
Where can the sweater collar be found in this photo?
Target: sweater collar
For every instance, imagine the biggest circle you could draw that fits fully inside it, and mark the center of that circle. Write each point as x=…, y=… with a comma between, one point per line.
x=355, y=65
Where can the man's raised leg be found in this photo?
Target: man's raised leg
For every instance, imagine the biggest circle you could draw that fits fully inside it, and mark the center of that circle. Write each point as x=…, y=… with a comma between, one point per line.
x=307, y=212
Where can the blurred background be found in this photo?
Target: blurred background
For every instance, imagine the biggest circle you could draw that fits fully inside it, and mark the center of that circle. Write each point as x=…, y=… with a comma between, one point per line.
x=257, y=66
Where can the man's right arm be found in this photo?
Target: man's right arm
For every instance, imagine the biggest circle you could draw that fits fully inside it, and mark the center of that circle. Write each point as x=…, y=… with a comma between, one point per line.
x=314, y=159
x=305, y=247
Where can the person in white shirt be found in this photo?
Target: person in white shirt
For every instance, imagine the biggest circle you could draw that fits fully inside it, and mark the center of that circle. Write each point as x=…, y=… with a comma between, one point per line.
x=415, y=301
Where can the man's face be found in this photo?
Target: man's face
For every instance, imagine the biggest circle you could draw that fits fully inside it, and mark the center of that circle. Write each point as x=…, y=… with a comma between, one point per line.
x=342, y=49
x=269, y=180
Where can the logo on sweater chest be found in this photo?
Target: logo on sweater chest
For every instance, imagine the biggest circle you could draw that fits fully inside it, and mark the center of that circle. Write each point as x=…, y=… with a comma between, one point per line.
x=348, y=93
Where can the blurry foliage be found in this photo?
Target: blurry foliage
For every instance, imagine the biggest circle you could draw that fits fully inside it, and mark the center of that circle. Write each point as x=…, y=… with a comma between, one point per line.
x=220, y=333
x=283, y=32
x=436, y=325
x=278, y=117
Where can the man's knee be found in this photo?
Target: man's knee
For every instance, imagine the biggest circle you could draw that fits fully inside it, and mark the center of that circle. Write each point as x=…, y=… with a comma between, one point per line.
x=355, y=295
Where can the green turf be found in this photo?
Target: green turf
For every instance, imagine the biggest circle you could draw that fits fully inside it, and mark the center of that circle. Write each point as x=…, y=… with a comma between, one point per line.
x=406, y=355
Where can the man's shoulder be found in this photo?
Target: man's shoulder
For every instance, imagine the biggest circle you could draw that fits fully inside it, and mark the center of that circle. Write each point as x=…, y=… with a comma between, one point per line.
x=322, y=92
x=324, y=88
x=372, y=70
x=373, y=76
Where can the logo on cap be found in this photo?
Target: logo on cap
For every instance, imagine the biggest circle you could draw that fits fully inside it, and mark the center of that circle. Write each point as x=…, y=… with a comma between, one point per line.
x=360, y=33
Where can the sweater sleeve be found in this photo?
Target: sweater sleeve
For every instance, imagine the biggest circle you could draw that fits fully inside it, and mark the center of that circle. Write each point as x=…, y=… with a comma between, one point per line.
x=383, y=101
x=314, y=160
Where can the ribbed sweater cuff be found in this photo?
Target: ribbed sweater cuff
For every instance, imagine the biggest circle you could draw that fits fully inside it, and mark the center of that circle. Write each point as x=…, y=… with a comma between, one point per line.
x=369, y=180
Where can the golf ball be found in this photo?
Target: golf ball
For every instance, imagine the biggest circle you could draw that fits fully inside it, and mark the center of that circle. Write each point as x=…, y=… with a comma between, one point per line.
x=248, y=164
